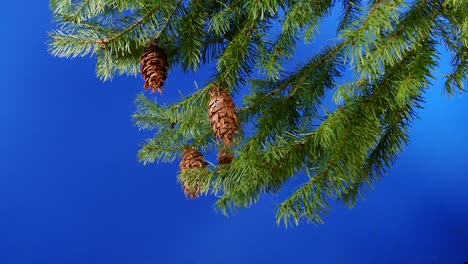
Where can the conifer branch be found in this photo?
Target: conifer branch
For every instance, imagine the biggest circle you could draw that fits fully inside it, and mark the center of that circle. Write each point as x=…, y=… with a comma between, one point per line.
x=108, y=40
x=376, y=70
x=298, y=205
x=74, y=15
x=168, y=20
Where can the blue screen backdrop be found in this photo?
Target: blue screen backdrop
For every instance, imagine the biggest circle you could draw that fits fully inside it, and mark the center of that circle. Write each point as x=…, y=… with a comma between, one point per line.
x=73, y=191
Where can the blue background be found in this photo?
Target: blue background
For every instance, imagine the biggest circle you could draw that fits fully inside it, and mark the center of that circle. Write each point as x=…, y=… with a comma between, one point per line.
x=72, y=190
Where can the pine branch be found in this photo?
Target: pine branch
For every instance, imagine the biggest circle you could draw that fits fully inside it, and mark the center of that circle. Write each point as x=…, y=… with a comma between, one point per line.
x=177, y=125
x=452, y=29
x=168, y=20
x=130, y=28
x=238, y=58
x=386, y=49
x=359, y=119
x=350, y=13
x=294, y=80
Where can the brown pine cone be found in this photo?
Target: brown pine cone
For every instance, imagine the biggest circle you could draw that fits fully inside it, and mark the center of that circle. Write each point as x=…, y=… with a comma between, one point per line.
x=225, y=157
x=154, y=67
x=192, y=159
x=223, y=116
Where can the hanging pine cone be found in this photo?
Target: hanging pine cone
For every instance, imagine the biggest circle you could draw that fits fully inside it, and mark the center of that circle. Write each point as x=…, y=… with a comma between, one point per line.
x=192, y=159
x=225, y=157
x=154, y=67
x=223, y=116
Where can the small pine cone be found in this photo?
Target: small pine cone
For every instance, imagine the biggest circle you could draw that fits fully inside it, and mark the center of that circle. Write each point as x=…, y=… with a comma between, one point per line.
x=223, y=116
x=154, y=67
x=225, y=157
x=192, y=159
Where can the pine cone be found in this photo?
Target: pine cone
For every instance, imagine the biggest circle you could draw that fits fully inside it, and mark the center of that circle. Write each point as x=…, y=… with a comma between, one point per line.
x=223, y=116
x=225, y=157
x=154, y=67
x=192, y=159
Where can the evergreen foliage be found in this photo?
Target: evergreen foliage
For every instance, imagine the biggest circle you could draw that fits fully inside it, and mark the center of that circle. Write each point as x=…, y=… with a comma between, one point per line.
x=389, y=46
